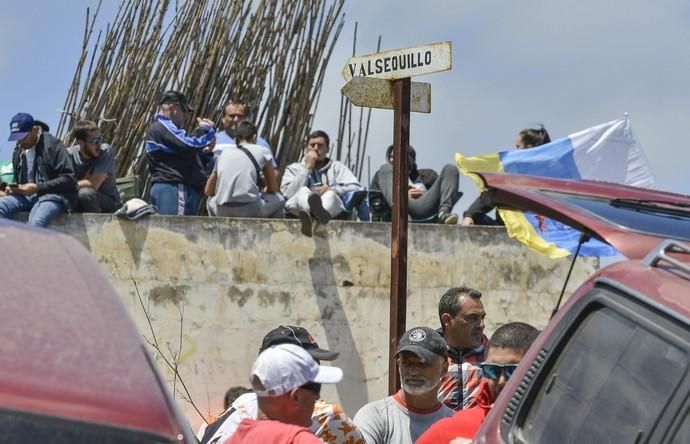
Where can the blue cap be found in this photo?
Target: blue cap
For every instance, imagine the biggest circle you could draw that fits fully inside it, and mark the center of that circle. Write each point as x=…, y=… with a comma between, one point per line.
x=20, y=125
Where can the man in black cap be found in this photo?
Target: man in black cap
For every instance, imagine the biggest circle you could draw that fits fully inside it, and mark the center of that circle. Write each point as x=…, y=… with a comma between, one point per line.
x=422, y=359
x=44, y=182
x=177, y=160
x=329, y=422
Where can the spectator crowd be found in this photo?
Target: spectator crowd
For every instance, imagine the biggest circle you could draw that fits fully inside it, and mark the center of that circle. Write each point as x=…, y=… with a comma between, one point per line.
x=232, y=170
x=450, y=377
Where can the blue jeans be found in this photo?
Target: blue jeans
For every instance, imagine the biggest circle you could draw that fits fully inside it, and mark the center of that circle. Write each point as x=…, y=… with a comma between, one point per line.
x=41, y=212
x=175, y=199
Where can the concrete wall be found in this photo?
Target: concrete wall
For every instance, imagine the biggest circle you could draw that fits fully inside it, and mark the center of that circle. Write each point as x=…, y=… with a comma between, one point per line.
x=220, y=284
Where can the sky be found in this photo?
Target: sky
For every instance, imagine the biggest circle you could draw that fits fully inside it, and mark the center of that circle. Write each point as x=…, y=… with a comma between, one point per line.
x=566, y=65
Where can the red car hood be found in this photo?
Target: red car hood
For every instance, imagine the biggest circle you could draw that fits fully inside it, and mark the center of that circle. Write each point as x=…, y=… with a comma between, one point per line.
x=69, y=348
x=632, y=220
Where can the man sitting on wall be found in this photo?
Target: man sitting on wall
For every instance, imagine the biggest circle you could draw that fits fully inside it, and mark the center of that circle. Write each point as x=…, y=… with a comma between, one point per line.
x=95, y=168
x=314, y=188
x=234, y=186
x=507, y=346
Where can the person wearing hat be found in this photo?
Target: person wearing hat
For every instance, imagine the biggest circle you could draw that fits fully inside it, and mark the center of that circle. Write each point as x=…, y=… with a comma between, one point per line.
x=44, y=183
x=177, y=160
x=328, y=421
x=287, y=382
x=507, y=347
x=400, y=419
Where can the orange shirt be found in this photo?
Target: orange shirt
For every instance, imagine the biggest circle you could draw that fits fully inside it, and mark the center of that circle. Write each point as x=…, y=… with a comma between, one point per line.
x=266, y=430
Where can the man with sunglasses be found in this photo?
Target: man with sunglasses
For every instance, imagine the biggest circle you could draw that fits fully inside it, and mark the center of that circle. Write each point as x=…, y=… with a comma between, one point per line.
x=328, y=421
x=507, y=346
x=43, y=178
x=95, y=168
x=287, y=382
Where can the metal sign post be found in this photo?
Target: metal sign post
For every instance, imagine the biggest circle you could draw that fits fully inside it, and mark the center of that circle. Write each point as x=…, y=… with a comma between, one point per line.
x=382, y=80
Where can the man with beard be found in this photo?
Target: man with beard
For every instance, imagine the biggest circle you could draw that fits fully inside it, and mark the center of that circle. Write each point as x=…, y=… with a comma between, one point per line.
x=508, y=345
x=403, y=417
x=95, y=168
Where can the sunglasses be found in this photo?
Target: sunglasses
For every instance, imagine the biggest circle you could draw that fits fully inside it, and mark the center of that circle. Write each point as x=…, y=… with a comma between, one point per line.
x=96, y=140
x=493, y=371
x=312, y=387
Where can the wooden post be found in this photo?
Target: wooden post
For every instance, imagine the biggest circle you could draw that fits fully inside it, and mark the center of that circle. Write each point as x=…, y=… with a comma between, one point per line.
x=398, y=296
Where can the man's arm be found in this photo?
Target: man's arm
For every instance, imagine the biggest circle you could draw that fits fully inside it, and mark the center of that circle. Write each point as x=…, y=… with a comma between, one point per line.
x=58, y=160
x=210, y=188
x=344, y=179
x=271, y=178
x=370, y=423
x=294, y=178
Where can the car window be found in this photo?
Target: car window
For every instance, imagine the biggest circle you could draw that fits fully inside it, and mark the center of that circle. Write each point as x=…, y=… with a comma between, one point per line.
x=656, y=219
x=25, y=427
x=608, y=385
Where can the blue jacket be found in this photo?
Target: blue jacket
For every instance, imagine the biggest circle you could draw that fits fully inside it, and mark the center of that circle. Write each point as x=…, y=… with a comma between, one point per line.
x=174, y=157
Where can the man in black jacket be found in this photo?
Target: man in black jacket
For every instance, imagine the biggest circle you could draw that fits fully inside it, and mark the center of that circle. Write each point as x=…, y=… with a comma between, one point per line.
x=44, y=182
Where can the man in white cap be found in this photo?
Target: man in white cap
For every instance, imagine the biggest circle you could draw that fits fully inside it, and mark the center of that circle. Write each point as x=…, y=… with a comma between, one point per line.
x=287, y=382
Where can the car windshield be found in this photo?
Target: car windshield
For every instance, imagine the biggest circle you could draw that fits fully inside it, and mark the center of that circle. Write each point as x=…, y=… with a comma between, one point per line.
x=26, y=427
x=659, y=219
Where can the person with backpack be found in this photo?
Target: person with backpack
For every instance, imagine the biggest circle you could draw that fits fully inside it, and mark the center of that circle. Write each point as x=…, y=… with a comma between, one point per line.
x=234, y=187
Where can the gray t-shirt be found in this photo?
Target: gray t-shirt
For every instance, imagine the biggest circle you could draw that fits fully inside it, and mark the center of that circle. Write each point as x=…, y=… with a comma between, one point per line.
x=104, y=163
x=237, y=177
x=388, y=421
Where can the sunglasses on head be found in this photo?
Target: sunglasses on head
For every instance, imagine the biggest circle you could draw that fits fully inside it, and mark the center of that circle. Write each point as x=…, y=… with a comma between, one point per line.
x=312, y=387
x=493, y=371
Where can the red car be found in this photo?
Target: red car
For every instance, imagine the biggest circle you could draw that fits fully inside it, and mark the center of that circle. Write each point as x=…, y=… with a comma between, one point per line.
x=613, y=365
x=73, y=367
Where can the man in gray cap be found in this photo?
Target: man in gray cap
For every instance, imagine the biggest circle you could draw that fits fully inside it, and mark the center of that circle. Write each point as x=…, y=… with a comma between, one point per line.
x=422, y=359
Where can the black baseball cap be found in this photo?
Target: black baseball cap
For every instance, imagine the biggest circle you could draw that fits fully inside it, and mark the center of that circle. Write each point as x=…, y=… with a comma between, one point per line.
x=177, y=98
x=424, y=342
x=289, y=334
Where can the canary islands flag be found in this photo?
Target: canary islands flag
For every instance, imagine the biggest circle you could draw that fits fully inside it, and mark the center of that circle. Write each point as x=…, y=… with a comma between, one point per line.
x=607, y=152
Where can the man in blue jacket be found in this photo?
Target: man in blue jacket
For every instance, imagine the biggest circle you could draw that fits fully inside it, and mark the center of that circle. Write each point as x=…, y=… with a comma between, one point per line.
x=44, y=182
x=177, y=160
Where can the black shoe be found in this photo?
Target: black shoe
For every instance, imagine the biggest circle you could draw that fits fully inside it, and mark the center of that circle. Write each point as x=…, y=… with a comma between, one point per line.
x=448, y=218
x=317, y=209
x=305, y=219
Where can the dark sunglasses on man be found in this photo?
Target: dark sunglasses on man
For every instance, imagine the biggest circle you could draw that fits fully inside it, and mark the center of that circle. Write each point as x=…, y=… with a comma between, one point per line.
x=96, y=140
x=493, y=371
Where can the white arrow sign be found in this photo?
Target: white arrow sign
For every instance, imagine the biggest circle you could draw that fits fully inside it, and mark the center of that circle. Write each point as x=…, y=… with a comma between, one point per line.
x=378, y=93
x=401, y=63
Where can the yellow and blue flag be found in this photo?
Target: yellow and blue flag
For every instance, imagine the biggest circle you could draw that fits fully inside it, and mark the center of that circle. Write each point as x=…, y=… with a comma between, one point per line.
x=606, y=152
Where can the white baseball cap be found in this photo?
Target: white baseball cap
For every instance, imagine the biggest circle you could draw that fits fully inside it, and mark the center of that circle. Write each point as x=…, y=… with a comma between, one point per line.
x=285, y=367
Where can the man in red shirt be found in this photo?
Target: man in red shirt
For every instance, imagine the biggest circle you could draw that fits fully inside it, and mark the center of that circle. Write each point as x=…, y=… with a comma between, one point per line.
x=287, y=382
x=507, y=346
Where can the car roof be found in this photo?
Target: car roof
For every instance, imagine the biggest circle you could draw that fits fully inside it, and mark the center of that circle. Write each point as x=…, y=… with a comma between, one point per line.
x=633, y=220
x=69, y=347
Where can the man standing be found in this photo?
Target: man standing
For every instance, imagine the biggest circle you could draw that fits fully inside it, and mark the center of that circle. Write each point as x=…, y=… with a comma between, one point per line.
x=234, y=112
x=462, y=314
x=287, y=382
x=44, y=182
x=403, y=417
x=508, y=345
x=95, y=169
x=315, y=187
x=329, y=422
x=176, y=160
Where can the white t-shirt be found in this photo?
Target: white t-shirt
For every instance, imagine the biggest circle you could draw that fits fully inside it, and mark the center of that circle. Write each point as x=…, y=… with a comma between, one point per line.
x=390, y=421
